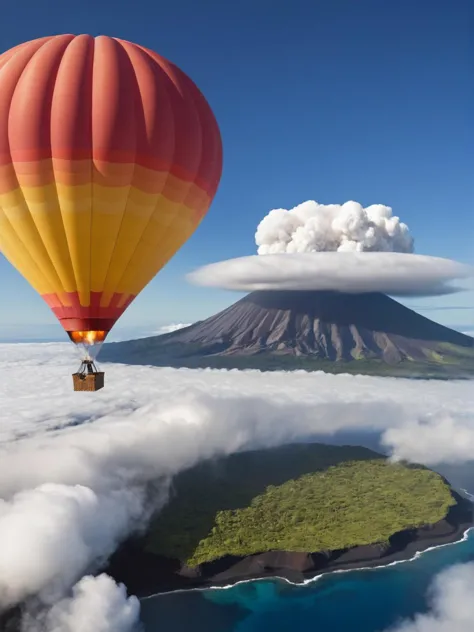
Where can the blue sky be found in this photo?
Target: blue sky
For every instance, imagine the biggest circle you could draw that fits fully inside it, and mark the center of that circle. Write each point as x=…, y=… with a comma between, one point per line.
x=335, y=100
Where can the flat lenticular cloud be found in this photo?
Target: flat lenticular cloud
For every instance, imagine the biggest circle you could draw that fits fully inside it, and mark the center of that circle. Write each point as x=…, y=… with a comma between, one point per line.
x=314, y=227
x=392, y=273
x=74, y=467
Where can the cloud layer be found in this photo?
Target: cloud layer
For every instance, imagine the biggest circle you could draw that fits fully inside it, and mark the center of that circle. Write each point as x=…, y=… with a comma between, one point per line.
x=167, y=329
x=120, y=334
x=96, y=603
x=313, y=227
x=452, y=606
x=74, y=466
x=388, y=272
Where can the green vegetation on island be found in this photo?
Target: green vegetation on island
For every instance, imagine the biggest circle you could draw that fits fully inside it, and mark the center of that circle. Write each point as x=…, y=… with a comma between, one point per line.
x=309, y=497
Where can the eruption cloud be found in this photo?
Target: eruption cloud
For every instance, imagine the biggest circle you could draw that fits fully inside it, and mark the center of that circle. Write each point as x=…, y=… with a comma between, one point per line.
x=349, y=227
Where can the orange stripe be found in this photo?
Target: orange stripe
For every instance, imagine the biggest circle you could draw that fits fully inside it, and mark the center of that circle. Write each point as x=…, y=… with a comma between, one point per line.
x=118, y=158
x=67, y=183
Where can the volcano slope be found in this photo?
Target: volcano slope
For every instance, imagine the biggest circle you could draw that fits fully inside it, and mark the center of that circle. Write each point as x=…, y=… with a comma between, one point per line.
x=312, y=330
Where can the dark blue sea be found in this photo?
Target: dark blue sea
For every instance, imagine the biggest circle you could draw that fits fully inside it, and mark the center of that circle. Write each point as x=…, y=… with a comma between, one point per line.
x=366, y=601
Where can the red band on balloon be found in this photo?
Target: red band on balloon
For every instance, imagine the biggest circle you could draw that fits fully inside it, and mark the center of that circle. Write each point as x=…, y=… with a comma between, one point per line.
x=73, y=314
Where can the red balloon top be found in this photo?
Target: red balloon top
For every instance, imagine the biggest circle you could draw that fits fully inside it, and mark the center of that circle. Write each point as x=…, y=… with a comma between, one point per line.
x=78, y=97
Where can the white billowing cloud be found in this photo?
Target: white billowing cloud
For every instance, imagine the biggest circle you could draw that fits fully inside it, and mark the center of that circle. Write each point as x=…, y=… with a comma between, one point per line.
x=349, y=227
x=392, y=273
x=97, y=603
x=440, y=438
x=53, y=532
x=120, y=334
x=167, y=329
x=452, y=606
x=74, y=466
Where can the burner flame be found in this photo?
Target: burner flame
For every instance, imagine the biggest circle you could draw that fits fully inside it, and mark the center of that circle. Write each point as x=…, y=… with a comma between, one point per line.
x=88, y=343
x=87, y=337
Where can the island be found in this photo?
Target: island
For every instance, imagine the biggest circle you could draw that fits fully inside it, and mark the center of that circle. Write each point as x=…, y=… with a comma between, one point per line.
x=292, y=512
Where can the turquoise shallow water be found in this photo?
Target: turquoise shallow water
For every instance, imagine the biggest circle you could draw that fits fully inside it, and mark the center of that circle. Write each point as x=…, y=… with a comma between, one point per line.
x=368, y=601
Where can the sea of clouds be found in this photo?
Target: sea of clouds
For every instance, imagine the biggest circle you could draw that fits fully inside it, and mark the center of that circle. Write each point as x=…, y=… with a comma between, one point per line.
x=74, y=467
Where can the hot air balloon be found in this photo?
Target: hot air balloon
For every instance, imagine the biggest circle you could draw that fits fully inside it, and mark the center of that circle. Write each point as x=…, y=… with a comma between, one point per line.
x=110, y=157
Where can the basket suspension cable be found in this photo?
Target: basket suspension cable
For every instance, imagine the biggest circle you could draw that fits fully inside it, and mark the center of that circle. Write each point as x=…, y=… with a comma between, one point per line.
x=87, y=367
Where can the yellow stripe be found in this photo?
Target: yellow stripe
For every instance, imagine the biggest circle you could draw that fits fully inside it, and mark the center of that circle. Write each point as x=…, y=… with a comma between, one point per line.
x=155, y=249
x=138, y=223
x=45, y=211
x=21, y=224
x=13, y=249
x=114, y=241
x=76, y=210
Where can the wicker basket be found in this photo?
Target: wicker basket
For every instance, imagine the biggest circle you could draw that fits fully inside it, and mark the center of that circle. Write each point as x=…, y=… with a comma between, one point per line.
x=88, y=382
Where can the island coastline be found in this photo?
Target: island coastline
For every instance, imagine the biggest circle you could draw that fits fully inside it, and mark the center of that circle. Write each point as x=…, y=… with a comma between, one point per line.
x=148, y=575
x=312, y=578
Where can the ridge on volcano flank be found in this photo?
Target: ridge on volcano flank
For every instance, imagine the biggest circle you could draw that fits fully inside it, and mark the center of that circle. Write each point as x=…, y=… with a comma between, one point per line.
x=280, y=329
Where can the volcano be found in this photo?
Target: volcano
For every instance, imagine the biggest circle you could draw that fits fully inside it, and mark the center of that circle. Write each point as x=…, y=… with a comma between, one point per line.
x=307, y=329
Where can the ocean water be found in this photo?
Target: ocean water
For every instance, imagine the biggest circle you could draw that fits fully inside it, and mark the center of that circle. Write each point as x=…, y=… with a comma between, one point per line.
x=366, y=600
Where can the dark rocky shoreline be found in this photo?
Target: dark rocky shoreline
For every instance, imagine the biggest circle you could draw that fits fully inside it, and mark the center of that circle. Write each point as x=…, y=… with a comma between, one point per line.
x=145, y=574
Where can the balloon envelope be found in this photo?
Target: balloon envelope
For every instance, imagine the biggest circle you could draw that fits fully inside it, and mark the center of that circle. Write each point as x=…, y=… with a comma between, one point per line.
x=109, y=159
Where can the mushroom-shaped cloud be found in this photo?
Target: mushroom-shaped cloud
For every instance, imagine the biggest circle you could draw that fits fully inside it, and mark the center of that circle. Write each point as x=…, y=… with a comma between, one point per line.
x=314, y=227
